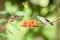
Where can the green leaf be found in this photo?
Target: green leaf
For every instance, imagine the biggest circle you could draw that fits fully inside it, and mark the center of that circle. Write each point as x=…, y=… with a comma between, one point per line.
x=10, y=31
x=10, y=8
x=3, y=12
x=3, y=35
x=2, y=20
x=20, y=13
x=39, y=22
x=52, y=8
x=14, y=25
x=44, y=11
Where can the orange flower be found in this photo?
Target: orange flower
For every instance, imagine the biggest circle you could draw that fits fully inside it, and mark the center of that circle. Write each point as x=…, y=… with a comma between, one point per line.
x=30, y=23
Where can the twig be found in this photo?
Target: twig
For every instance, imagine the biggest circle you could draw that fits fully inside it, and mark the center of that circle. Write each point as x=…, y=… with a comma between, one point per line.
x=56, y=20
x=50, y=22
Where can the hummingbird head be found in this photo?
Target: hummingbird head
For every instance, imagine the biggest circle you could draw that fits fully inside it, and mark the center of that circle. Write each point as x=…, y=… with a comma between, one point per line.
x=38, y=17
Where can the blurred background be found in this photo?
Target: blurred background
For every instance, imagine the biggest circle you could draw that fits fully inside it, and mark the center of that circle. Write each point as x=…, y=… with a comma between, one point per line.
x=14, y=12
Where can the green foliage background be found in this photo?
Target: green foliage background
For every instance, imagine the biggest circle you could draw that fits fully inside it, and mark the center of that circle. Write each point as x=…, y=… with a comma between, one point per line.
x=15, y=31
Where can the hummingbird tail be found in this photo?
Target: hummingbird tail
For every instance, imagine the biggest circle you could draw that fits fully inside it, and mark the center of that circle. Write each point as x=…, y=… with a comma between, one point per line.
x=51, y=24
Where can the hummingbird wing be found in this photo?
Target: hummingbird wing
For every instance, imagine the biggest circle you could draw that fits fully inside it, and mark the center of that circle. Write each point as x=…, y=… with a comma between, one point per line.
x=49, y=21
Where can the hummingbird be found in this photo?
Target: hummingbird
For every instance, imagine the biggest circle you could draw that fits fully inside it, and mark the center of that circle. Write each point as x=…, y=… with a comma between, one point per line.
x=43, y=20
x=17, y=16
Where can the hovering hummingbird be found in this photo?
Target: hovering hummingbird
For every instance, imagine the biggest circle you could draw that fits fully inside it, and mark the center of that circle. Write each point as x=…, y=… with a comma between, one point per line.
x=17, y=16
x=43, y=20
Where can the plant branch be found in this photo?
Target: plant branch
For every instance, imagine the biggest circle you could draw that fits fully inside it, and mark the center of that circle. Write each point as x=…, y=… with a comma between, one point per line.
x=50, y=22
